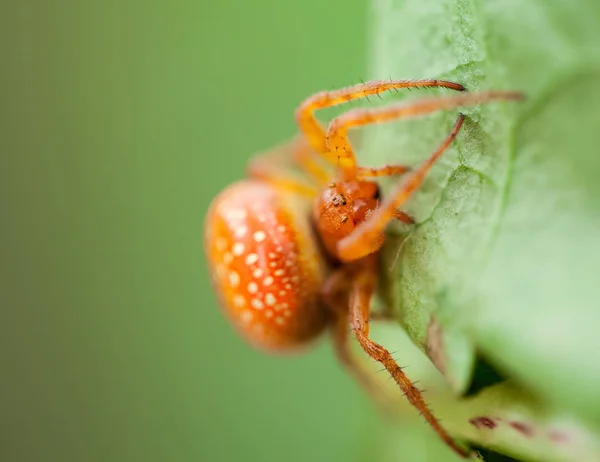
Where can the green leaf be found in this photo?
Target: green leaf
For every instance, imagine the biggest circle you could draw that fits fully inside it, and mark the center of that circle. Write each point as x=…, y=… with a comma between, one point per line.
x=505, y=259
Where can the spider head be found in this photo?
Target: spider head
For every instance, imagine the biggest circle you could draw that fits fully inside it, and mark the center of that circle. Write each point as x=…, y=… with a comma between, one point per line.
x=341, y=206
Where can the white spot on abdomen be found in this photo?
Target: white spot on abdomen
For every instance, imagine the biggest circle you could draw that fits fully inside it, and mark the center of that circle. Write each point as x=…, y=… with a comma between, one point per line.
x=270, y=299
x=234, y=279
x=238, y=249
x=251, y=259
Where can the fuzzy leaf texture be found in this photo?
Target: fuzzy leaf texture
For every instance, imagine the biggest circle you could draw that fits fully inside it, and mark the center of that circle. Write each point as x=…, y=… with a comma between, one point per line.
x=504, y=261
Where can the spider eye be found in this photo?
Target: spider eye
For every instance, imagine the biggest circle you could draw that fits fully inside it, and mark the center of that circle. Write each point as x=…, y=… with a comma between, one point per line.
x=338, y=200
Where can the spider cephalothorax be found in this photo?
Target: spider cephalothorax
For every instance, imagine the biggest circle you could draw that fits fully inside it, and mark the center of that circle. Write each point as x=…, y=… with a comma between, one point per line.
x=340, y=207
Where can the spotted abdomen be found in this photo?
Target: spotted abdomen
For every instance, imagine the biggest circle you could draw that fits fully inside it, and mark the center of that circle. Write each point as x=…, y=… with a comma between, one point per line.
x=265, y=264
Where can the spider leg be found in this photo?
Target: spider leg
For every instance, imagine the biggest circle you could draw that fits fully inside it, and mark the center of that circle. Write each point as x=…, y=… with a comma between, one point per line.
x=314, y=131
x=306, y=159
x=355, y=366
x=363, y=173
x=335, y=295
x=366, y=237
x=360, y=306
x=337, y=133
x=273, y=167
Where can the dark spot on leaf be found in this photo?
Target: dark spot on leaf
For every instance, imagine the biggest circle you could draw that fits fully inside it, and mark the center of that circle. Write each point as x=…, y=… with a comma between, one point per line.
x=557, y=436
x=521, y=427
x=483, y=422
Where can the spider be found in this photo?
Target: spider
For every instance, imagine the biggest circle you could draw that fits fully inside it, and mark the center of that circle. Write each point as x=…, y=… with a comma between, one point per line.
x=291, y=257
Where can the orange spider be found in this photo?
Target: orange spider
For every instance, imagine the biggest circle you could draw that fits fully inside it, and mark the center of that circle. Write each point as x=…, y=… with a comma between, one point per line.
x=290, y=257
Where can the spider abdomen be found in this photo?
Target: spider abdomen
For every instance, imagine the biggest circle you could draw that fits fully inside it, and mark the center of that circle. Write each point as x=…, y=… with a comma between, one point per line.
x=266, y=264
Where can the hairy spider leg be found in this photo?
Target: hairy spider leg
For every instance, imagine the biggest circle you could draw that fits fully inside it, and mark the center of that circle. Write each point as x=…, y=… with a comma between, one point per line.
x=366, y=237
x=363, y=173
x=370, y=240
x=361, y=293
x=335, y=296
x=305, y=158
x=316, y=134
x=273, y=167
x=276, y=163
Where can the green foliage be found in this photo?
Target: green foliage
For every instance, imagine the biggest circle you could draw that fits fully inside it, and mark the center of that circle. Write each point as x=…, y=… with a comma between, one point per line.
x=505, y=259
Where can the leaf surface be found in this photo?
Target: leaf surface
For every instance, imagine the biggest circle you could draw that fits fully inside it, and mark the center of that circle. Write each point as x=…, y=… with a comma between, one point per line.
x=505, y=258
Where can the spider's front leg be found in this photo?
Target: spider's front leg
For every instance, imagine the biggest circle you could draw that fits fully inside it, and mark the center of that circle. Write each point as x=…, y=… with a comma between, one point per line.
x=348, y=293
x=366, y=238
x=364, y=173
x=316, y=134
x=361, y=293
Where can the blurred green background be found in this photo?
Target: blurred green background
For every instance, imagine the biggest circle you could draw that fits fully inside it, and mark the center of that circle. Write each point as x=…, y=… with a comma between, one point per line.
x=121, y=121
